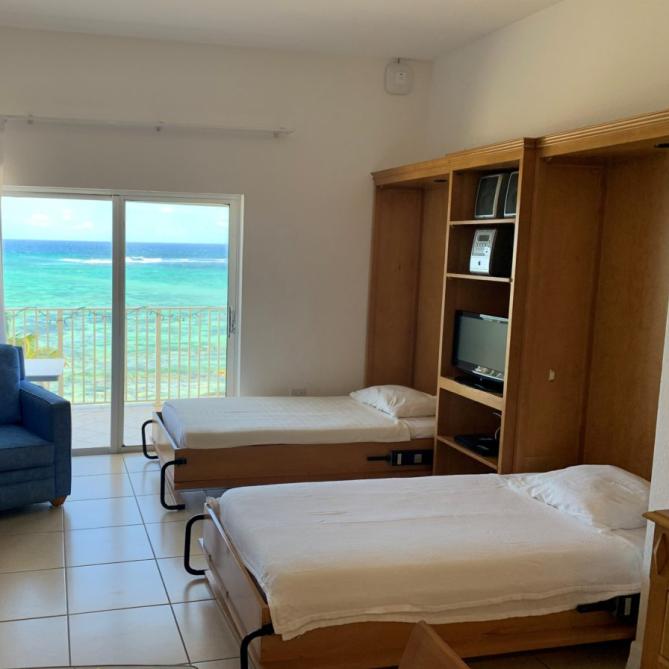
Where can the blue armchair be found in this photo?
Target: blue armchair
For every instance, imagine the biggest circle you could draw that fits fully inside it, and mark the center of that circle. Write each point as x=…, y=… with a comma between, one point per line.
x=35, y=438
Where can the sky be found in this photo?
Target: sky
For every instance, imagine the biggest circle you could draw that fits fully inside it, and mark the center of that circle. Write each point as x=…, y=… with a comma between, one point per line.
x=73, y=219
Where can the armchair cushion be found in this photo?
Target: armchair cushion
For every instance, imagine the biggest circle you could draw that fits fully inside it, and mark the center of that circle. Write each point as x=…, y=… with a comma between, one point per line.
x=10, y=378
x=20, y=449
x=48, y=416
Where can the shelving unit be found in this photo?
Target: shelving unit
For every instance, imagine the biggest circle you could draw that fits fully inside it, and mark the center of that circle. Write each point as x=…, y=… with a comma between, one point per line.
x=461, y=408
x=586, y=298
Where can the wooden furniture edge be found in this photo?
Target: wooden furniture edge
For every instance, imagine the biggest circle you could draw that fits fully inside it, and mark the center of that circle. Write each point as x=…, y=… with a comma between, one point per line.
x=436, y=168
x=479, y=157
x=660, y=516
x=627, y=130
x=427, y=650
x=639, y=128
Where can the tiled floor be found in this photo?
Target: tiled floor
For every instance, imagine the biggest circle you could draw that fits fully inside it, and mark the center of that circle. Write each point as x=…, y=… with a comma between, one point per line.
x=101, y=581
x=91, y=424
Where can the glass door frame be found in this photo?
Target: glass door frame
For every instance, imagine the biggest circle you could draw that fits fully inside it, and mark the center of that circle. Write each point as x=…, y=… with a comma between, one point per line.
x=119, y=198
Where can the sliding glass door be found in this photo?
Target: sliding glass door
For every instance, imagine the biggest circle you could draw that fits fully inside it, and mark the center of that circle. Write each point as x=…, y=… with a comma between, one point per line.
x=178, y=304
x=57, y=258
x=122, y=301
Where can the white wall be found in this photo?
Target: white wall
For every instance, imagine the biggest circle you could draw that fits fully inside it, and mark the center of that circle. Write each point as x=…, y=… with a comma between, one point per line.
x=308, y=196
x=573, y=64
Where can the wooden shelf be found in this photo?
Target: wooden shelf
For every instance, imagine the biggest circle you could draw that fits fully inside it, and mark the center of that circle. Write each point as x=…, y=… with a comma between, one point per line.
x=486, y=221
x=479, y=277
x=483, y=459
x=492, y=400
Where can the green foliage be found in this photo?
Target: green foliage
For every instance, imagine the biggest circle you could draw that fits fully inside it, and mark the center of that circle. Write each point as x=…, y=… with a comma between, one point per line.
x=28, y=343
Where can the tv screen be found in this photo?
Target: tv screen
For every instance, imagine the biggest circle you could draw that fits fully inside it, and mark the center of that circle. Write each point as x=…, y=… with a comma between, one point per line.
x=480, y=345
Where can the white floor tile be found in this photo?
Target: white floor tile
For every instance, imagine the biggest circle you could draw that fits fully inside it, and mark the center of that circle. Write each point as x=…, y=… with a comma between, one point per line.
x=136, y=462
x=219, y=664
x=32, y=594
x=91, y=424
x=40, y=642
x=146, y=482
x=126, y=636
x=120, y=585
x=205, y=631
x=153, y=512
x=101, y=486
x=107, y=544
x=168, y=539
x=89, y=465
x=182, y=586
x=27, y=552
x=101, y=513
x=31, y=519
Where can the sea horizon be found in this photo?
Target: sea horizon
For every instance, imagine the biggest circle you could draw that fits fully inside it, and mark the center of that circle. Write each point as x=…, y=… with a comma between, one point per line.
x=73, y=274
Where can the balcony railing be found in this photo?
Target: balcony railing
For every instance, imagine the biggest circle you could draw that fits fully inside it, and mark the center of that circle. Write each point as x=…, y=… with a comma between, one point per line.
x=171, y=352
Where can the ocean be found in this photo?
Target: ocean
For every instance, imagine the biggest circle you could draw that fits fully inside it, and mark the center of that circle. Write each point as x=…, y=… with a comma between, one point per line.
x=58, y=297
x=79, y=274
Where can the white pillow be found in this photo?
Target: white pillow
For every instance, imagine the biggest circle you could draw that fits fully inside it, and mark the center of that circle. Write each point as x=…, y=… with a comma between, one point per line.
x=603, y=496
x=397, y=401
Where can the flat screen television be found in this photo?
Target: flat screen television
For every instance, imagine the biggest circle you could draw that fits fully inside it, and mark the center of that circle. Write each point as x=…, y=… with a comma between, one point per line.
x=480, y=348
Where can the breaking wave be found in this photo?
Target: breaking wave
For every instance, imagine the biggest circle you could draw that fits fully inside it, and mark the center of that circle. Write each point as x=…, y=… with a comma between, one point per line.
x=142, y=260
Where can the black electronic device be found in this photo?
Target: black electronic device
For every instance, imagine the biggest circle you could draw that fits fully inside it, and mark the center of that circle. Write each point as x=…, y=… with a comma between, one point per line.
x=483, y=444
x=511, y=197
x=479, y=349
x=490, y=195
x=492, y=251
x=406, y=458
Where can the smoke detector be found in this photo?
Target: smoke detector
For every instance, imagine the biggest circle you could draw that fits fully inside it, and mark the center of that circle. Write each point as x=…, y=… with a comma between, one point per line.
x=399, y=78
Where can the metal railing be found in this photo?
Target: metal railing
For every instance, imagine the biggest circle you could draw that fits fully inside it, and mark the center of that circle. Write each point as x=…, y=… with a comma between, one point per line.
x=170, y=352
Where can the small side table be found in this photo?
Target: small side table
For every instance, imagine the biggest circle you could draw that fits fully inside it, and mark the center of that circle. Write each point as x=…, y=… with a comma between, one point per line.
x=44, y=369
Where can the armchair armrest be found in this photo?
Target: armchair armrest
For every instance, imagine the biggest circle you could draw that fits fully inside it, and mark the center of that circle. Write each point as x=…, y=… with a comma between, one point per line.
x=48, y=416
x=45, y=414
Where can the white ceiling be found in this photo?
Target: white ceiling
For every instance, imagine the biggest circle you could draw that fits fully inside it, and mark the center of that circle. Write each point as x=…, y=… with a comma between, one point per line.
x=408, y=28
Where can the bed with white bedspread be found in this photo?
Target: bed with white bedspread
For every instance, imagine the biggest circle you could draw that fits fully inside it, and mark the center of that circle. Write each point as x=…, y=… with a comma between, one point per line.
x=441, y=549
x=231, y=422
x=225, y=442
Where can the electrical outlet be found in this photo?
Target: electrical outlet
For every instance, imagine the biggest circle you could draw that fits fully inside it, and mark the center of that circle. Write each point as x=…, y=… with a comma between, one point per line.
x=298, y=392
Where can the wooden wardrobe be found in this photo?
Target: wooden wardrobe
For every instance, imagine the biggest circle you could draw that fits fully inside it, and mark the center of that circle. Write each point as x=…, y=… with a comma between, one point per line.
x=586, y=297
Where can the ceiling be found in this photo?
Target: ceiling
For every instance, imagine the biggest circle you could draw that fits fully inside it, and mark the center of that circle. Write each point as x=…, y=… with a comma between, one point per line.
x=420, y=29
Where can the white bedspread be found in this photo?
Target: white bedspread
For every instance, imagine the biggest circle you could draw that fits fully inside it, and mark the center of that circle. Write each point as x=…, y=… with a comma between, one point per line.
x=442, y=549
x=250, y=421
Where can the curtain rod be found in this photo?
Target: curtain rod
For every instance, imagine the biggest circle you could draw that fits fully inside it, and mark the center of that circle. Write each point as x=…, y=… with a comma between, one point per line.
x=157, y=126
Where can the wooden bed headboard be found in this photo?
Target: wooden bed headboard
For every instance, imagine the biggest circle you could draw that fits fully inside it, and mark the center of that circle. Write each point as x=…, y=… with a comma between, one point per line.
x=630, y=313
x=407, y=265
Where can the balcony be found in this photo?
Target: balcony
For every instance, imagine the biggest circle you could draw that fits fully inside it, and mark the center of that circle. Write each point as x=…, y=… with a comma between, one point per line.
x=170, y=352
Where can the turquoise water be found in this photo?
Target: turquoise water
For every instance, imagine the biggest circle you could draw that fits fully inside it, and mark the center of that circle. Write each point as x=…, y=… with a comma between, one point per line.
x=172, y=350
x=79, y=274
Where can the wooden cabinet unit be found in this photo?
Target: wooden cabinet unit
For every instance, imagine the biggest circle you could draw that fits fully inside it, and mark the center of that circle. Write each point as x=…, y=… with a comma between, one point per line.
x=656, y=636
x=407, y=263
x=586, y=297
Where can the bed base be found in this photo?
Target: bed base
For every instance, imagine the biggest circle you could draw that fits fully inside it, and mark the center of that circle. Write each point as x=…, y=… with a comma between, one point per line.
x=380, y=644
x=196, y=469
